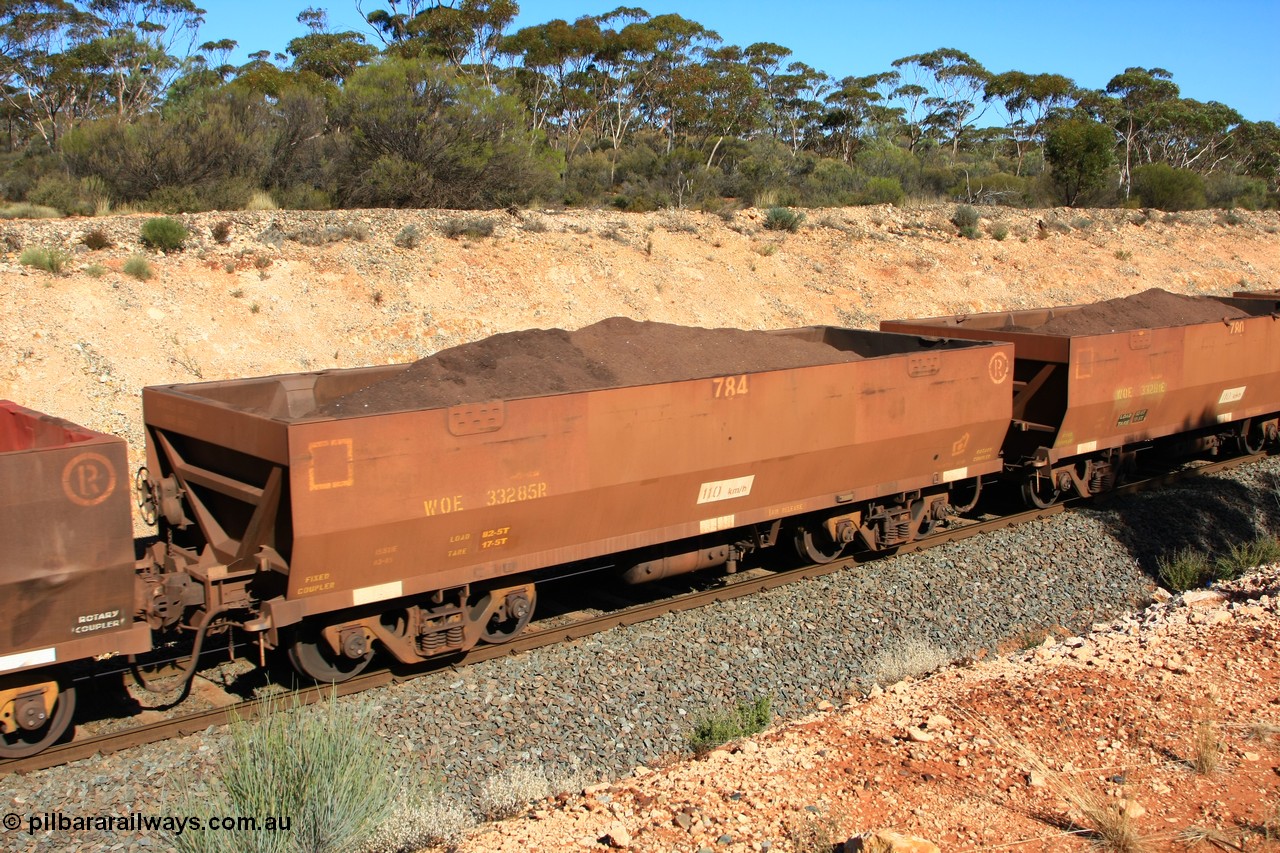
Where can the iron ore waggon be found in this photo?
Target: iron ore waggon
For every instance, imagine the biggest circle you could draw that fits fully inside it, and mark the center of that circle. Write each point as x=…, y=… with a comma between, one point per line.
x=1085, y=404
x=425, y=531
x=66, y=568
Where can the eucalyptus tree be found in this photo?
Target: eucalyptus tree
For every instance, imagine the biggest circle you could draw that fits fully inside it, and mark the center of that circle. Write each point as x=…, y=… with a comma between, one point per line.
x=329, y=55
x=718, y=96
x=1257, y=152
x=854, y=107
x=555, y=75
x=467, y=34
x=1189, y=134
x=794, y=108
x=1131, y=104
x=1029, y=100
x=663, y=50
x=1080, y=152
x=45, y=80
x=942, y=95
x=140, y=47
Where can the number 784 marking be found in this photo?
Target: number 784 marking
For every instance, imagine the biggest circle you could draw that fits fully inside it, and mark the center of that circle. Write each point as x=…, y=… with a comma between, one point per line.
x=729, y=386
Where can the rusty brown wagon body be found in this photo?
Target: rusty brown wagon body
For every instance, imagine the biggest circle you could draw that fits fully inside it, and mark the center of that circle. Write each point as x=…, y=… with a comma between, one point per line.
x=66, y=565
x=456, y=509
x=1272, y=296
x=1081, y=402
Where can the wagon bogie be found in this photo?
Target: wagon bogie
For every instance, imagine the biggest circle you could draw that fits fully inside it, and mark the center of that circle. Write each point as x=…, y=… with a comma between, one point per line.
x=34, y=712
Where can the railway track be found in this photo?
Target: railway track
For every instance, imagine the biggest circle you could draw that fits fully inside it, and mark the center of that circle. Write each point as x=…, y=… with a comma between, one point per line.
x=563, y=628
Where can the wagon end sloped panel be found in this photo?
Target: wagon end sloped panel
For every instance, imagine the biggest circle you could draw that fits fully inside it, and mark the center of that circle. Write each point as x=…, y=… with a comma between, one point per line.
x=1134, y=386
x=66, y=566
x=455, y=496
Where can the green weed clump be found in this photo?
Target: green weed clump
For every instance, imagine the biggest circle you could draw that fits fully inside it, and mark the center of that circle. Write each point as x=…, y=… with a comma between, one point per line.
x=746, y=719
x=1262, y=551
x=138, y=267
x=51, y=260
x=164, y=233
x=324, y=769
x=782, y=219
x=1185, y=569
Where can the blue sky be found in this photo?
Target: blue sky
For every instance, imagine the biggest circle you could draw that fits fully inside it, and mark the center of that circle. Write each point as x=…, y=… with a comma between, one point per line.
x=1222, y=51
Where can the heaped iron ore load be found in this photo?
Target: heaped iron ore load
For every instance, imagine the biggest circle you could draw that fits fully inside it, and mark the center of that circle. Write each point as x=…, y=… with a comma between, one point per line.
x=66, y=567
x=1094, y=384
x=434, y=518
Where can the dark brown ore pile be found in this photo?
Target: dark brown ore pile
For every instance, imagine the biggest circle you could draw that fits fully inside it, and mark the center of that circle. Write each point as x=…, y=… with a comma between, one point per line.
x=1150, y=309
x=612, y=353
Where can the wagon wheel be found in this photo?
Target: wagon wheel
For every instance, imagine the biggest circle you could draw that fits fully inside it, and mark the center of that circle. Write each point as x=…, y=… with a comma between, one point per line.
x=817, y=546
x=1252, y=439
x=508, y=620
x=965, y=494
x=1040, y=492
x=310, y=654
x=23, y=742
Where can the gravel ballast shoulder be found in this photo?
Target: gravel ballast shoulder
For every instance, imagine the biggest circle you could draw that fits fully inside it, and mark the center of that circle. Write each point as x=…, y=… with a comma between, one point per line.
x=600, y=706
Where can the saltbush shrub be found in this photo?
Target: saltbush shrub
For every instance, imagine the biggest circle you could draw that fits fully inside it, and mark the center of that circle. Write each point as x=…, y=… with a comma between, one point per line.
x=966, y=216
x=164, y=233
x=468, y=226
x=409, y=237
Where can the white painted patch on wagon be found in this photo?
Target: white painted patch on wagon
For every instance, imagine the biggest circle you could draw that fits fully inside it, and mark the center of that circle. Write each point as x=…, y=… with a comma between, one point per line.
x=36, y=657
x=380, y=592
x=715, y=525
x=955, y=474
x=1087, y=447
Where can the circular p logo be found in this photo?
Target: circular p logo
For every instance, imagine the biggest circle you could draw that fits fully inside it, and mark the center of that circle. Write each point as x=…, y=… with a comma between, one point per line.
x=998, y=367
x=88, y=479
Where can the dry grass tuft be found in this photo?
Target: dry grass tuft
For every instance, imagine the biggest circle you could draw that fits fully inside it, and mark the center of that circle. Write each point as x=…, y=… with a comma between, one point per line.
x=1262, y=731
x=1206, y=748
x=511, y=791
x=1195, y=836
x=1110, y=823
x=911, y=657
